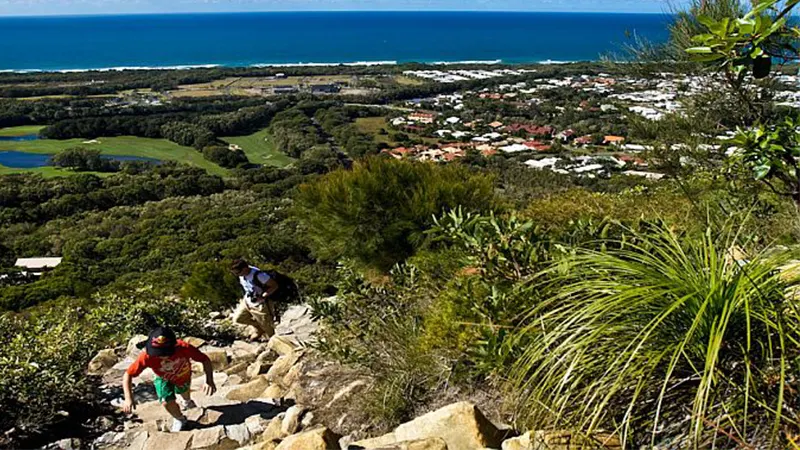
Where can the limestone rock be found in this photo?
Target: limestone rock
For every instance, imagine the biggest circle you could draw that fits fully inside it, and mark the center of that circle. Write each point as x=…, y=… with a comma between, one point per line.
x=212, y=439
x=420, y=444
x=518, y=443
x=316, y=439
x=234, y=380
x=64, y=444
x=291, y=422
x=172, y=441
x=460, y=425
x=280, y=345
x=308, y=420
x=293, y=375
x=266, y=445
x=255, y=425
x=245, y=351
x=132, y=350
x=249, y=390
x=274, y=391
x=219, y=359
x=386, y=440
x=102, y=361
x=256, y=369
x=273, y=431
x=238, y=433
x=195, y=341
x=237, y=368
x=281, y=367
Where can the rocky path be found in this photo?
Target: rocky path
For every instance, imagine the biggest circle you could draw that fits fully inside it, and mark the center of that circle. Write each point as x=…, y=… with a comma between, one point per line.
x=270, y=397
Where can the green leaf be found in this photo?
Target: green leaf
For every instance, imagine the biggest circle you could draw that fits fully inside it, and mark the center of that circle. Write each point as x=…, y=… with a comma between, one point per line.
x=760, y=172
x=699, y=50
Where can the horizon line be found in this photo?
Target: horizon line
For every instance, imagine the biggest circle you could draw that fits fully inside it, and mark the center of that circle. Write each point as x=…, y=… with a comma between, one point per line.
x=172, y=13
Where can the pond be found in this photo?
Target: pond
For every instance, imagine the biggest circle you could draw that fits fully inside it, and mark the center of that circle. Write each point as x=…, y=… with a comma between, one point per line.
x=25, y=137
x=25, y=160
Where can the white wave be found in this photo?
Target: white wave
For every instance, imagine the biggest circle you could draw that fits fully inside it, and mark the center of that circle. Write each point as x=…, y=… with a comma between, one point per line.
x=312, y=64
x=446, y=63
x=113, y=69
x=552, y=61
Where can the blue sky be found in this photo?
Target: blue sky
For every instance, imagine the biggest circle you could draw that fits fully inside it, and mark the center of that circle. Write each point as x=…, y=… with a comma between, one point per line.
x=59, y=7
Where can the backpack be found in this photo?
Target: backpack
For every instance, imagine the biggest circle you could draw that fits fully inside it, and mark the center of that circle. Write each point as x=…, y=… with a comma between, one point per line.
x=287, y=289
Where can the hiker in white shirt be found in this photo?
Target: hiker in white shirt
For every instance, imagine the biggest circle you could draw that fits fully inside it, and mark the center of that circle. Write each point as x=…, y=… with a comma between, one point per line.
x=256, y=308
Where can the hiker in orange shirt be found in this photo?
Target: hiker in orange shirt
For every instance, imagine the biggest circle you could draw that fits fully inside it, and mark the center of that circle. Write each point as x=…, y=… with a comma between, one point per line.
x=171, y=360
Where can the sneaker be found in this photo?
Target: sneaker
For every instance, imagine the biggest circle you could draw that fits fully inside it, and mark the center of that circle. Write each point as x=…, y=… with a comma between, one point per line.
x=178, y=425
x=186, y=404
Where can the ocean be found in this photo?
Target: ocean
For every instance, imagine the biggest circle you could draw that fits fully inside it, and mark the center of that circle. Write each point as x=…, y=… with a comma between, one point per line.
x=251, y=39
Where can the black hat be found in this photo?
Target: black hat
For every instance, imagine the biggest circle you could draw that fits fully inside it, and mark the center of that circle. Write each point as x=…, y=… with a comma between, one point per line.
x=161, y=342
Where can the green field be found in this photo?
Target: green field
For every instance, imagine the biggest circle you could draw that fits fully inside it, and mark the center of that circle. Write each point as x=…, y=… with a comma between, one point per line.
x=20, y=131
x=372, y=126
x=123, y=145
x=259, y=149
x=47, y=172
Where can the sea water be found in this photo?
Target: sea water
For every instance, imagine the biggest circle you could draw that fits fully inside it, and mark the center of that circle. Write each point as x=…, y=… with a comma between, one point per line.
x=248, y=39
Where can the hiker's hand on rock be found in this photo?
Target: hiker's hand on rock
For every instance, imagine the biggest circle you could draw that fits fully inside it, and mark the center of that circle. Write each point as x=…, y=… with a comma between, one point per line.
x=129, y=406
x=209, y=388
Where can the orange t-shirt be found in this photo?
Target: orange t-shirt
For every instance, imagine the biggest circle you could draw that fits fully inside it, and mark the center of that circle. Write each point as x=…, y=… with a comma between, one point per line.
x=177, y=369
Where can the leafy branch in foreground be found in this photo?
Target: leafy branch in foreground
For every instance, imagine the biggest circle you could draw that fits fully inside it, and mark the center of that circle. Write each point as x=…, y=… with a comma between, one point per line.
x=659, y=339
x=770, y=154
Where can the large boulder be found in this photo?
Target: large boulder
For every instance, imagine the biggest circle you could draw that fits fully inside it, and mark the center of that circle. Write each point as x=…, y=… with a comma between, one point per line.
x=291, y=421
x=281, y=345
x=171, y=441
x=245, y=351
x=239, y=433
x=316, y=439
x=281, y=367
x=213, y=438
x=218, y=357
x=460, y=425
x=421, y=444
x=250, y=390
x=273, y=431
x=102, y=362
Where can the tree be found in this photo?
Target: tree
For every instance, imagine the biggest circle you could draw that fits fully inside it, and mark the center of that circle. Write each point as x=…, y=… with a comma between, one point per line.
x=377, y=212
x=84, y=159
x=747, y=45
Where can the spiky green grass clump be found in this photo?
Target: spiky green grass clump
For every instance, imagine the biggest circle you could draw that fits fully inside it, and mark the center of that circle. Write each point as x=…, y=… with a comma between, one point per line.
x=666, y=340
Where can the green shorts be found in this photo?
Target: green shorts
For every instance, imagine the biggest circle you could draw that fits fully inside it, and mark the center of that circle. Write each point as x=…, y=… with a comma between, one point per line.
x=167, y=391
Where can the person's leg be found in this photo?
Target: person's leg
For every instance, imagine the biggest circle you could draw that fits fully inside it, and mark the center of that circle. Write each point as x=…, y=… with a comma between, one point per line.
x=263, y=316
x=243, y=316
x=174, y=410
x=166, y=395
x=185, y=401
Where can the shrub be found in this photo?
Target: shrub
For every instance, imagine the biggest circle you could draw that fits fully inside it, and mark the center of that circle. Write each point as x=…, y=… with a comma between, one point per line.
x=213, y=283
x=43, y=356
x=376, y=213
x=661, y=338
x=84, y=159
x=225, y=157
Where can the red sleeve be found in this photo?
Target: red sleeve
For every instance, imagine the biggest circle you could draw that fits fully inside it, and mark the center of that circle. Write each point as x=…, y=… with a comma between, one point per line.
x=138, y=366
x=192, y=351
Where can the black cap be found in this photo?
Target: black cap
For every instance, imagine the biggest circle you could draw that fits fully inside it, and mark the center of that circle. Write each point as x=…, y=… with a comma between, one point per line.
x=161, y=342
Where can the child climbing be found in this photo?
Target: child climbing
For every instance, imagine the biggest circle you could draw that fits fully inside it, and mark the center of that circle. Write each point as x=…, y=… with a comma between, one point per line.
x=170, y=359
